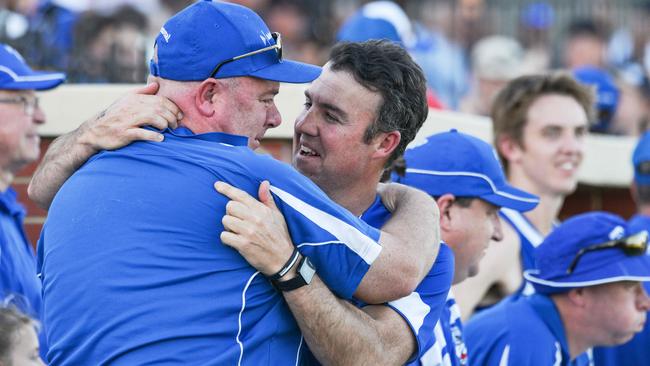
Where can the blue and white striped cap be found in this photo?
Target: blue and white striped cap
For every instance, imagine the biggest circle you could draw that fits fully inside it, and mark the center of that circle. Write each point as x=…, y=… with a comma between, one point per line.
x=465, y=166
x=15, y=74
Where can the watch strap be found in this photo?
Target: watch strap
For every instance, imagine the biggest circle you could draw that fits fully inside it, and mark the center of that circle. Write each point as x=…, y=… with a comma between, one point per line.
x=298, y=281
x=287, y=266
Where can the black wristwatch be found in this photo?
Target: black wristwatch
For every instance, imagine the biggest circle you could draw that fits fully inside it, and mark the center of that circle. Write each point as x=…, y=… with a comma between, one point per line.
x=304, y=274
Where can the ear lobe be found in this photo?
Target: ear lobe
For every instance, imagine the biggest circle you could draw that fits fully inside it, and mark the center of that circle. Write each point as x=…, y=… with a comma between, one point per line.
x=204, y=99
x=387, y=143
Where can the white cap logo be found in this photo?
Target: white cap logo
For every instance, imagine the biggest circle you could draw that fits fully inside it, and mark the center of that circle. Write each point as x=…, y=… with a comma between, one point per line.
x=616, y=233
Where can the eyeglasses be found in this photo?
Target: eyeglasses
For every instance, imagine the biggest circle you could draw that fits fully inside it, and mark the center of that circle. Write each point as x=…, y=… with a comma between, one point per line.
x=30, y=104
x=636, y=244
x=277, y=47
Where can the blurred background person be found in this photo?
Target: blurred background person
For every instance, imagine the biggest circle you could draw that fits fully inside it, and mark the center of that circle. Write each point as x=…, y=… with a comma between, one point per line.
x=495, y=61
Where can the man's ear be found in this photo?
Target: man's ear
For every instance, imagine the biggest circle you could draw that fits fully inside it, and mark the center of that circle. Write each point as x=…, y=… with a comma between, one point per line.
x=205, y=98
x=445, y=204
x=577, y=296
x=509, y=148
x=386, y=143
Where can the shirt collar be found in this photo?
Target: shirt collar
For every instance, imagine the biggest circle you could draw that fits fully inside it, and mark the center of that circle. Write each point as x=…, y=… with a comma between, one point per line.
x=545, y=308
x=219, y=137
x=9, y=204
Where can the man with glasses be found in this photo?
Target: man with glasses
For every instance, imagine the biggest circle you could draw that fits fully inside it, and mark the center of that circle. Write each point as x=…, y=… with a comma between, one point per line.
x=636, y=351
x=589, y=292
x=20, y=115
x=131, y=261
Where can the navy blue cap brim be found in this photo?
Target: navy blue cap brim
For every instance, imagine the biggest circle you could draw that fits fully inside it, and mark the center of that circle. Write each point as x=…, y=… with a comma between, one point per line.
x=38, y=80
x=288, y=71
x=631, y=268
x=513, y=198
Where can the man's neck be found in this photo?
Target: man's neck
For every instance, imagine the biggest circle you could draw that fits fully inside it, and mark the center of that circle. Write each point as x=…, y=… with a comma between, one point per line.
x=356, y=198
x=548, y=209
x=574, y=330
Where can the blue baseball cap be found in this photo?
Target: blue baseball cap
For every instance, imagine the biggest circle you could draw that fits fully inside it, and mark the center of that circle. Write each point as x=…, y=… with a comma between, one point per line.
x=193, y=42
x=607, y=93
x=465, y=166
x=557, y=252
x=641, y=160
x=15, y=74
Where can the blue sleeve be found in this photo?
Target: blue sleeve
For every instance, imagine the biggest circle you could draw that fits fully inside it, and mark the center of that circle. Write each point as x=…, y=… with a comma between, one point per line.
x=423, y=307
x=340, y=245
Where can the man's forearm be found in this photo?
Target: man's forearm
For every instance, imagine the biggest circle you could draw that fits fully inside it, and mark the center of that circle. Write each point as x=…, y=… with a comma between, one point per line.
x=64, y=156
x=338, y=333
x=410, y=241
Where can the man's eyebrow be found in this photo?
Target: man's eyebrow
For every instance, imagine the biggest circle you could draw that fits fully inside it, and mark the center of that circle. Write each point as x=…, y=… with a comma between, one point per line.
x=329, y=107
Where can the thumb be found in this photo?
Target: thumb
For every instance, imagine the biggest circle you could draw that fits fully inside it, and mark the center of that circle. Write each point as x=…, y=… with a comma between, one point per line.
x=149, y=89
x=265, y=194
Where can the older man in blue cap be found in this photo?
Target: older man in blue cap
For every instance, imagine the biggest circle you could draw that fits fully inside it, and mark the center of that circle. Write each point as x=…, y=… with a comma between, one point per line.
x=636, y=351
x=132, y=267
x=469, y=186
x=20, y=115
x=589, y=292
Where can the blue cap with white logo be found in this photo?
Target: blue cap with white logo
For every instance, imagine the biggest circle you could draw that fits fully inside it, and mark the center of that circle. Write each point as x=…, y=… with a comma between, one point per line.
x=15, y=74
x=587, y=250
x=465, y=166
x=641, y=160
x=206, y=34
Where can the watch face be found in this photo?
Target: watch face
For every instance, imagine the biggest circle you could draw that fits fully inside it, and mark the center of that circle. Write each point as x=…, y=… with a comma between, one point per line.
x=307, y=270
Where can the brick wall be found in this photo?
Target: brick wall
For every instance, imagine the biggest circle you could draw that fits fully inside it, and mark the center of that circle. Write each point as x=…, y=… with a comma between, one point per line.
x=586, y=198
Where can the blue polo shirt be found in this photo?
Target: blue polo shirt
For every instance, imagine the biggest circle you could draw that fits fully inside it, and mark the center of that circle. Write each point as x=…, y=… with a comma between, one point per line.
x=19, y=285
x=527, y=331
x=423, y=307
x=134, y=272
x=637, y=350
x=18, y=282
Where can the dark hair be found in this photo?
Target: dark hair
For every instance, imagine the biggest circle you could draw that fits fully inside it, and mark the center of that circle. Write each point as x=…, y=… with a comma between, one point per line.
x=586, y=28
x=11, y=322
x=384, y=67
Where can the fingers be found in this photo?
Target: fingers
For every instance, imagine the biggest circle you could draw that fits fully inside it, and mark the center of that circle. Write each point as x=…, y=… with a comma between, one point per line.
x=235, y=194
x=136, y=134
x=265, y=195
x=150, y=89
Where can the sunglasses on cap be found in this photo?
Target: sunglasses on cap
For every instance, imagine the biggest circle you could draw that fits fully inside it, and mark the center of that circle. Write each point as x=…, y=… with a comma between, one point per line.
x=277, y=47
x=636, y=244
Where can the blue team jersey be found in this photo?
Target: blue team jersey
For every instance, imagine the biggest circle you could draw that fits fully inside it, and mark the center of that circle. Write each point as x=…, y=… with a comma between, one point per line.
x=423, y=307
x=134, y=272
x=529, y=238
x=450, y=348
x=637, y=350
x=527, y=331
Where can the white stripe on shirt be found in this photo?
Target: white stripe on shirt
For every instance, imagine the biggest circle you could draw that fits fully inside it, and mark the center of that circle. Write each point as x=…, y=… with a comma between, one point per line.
x=359, y=243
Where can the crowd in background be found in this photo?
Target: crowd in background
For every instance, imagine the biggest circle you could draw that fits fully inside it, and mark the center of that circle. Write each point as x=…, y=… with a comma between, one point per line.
x=467, y=48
